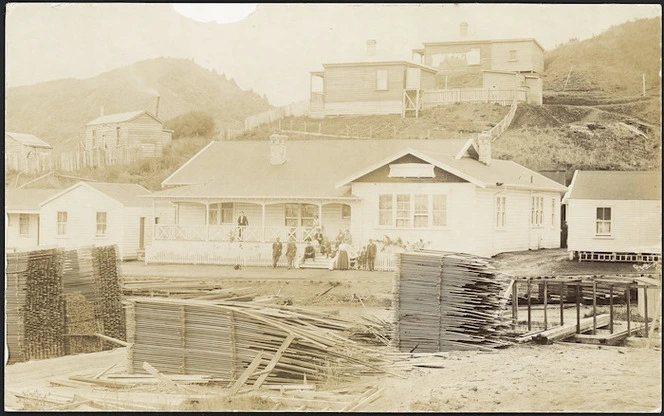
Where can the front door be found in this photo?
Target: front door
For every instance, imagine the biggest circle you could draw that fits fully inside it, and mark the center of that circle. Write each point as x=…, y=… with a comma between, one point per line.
x=141, y=234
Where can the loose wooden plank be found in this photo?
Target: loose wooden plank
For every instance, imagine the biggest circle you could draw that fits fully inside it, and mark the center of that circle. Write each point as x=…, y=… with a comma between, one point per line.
x=114, y=340
x=289, y=386
x=167, y=381
x=246, y=374
x=562, y=332
x=105, y=371
x=273, y=362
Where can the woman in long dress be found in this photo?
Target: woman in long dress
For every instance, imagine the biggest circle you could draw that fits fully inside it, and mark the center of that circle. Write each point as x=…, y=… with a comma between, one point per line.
x=342, y=257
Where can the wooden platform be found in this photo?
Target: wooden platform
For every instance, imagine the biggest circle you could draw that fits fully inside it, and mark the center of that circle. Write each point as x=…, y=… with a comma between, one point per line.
x=605, y=337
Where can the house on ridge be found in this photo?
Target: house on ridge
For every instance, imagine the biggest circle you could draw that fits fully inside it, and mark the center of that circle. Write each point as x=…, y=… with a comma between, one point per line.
x=449, y=194
x=136, y=129
x=26, y=152
x=615, y=216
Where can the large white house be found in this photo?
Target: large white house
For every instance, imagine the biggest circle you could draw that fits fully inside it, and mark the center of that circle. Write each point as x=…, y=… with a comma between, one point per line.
x=615, y=216
x=447, y=194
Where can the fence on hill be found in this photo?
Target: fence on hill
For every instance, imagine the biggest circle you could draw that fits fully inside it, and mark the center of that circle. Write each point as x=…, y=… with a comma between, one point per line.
x=297, y=109
x=72, y=161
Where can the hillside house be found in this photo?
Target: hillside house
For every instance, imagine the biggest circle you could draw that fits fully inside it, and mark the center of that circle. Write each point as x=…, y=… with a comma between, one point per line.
x=136, y=129
x=614, y=216
x=373, y=84
x=25, y=152
x=22, y=217
x=92, y=213
x=449, y=194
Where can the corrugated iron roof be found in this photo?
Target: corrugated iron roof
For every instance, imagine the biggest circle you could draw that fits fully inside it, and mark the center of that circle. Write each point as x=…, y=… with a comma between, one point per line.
x=26, y=200
x=119, y=118
x=29, y=140
x=615, y=185
x=315, y=167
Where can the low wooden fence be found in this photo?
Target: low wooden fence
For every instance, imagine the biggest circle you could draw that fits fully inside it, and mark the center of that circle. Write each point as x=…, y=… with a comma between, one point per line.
x=298, y=109
x=72, y=161
x=434, y=98
x=33, y=164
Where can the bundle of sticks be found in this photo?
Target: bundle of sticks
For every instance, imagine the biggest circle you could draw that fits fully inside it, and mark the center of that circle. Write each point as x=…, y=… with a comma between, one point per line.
x=449, y=301
x=222, y=339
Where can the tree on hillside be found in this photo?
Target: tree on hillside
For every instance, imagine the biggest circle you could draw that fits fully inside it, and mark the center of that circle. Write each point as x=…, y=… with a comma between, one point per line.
x=191, y=124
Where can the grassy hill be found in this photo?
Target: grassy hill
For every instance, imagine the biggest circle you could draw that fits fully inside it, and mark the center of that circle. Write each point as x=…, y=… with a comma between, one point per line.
x=611, y=63
x=57, y=110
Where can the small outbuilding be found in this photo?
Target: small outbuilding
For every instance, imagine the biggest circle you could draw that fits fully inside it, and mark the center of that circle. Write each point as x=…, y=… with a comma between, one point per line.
x=22, y=217
x=615, y=216
x=26, y=152
x=100, y=214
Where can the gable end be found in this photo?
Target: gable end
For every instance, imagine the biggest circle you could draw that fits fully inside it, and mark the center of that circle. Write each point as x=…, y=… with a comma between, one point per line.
x=382, y=174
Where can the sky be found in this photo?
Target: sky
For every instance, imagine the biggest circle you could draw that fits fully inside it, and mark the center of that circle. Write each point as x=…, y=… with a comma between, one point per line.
x=270, y=48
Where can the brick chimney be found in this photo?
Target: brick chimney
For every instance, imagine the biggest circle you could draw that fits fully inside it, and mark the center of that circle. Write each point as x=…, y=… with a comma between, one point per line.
x=463, y=29
x=278, y=149
x=371, y=48
x=484, y=146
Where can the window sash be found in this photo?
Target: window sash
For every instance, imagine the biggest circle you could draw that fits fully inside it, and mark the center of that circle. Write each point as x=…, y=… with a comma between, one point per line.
x=403, y=216
x=101, y=223
x=307, y=212
x=226, y=209
x=439, y=210
x=24, y=225
x=213, y=214
x=537, y=210
x=62, y=222
x=345, y=211
x=603, y=221
x=385, y=210
x=500, y=212
x=421, y=212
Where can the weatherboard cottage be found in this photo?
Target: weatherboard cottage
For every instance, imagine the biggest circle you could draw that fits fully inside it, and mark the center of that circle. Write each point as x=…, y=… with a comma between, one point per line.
x=615, y=216
x=443, y=194
x=22, y=217
x=26, y=152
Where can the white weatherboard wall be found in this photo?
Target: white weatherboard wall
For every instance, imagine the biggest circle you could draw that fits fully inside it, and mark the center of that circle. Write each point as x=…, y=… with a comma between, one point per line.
x=18, y=242
x=460, y=234
x=636, y=226
x=132, y=227
x=81, y=204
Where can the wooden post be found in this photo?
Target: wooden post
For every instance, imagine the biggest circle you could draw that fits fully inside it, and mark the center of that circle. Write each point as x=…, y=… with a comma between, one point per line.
x=611, y=309
x=515, y=304
x=545, y=302
x=562, y=290
x=629, y=311
x=643, y=81
x=594, y=307
x=529, y=310
x=578, y=307
x=131, y=336
x=645, y=307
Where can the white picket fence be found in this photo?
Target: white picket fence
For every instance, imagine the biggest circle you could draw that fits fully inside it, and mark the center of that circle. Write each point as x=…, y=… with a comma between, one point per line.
x=433, y=98
x=298, y=109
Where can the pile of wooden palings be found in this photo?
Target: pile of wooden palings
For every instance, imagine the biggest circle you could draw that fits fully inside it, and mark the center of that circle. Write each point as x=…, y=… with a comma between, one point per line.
x=222, y=339
x=449, y=301
x=15, y=273
x=186, y=289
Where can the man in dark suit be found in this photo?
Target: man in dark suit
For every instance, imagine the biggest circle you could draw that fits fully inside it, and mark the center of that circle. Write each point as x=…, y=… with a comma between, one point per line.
x=371, y=254
x=276, y=251
x=242, y=223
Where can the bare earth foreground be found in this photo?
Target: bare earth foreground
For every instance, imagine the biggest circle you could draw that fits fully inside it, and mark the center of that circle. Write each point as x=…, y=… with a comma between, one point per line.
x=558, y=377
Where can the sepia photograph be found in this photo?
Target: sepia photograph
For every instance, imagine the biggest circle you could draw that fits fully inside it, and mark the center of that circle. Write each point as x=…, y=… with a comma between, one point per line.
x=302, y=207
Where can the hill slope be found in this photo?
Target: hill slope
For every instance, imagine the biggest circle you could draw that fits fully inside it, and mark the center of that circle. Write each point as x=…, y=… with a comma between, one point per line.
x=57, y=111
x=611, y=62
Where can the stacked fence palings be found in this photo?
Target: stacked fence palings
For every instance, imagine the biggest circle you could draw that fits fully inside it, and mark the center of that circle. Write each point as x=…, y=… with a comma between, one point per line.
x=446, y=301
x=222, y=338
x=108, y=308
x=44, y=309
x=17, y=265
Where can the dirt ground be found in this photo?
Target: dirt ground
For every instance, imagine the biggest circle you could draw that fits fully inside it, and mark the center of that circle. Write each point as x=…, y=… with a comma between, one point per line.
x=558, y=377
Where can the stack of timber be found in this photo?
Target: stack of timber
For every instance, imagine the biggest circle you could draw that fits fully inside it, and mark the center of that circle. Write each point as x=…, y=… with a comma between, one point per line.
x=449, y=301
x=245, y=342
x=185, y=289
x=58, y=300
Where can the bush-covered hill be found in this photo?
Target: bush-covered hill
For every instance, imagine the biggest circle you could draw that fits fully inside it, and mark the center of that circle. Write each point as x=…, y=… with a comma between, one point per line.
x=612, y=62
x=57, y=111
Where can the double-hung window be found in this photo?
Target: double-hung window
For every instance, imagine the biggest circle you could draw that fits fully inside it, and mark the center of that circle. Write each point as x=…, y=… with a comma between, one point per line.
x=101, y=224
x=603, y=221
x=213, y=214
x=536, y=211
x=500, y=212
x=385, y=210
x=24, y=225
x=403, y=211
x=421, y=214
x=62, y=223
x=412, y=211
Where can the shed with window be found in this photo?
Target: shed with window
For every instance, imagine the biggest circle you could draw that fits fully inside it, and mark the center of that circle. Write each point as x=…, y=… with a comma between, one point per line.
x=614, y=216
x=22, y=217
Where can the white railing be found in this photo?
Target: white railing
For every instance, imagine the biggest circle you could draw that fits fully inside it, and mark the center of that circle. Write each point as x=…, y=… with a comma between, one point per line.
x=298, y=109
x=499, y=128
x=433, y=98
x=229, y=232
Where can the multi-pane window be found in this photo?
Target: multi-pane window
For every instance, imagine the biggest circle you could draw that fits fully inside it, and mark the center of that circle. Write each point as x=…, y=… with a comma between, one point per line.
x=385, y=210
x=24, y=224
x=603, y=221
x=300, y=215
x=213, y=214
x=403, y=211
x=345, y=211
x=227, y=213
x=62, y=223
x=412, y=211
x=381, y=79
x=101, y=223
x=421, y=214
x=439, y=210
x=536, y=211
x=500, y=212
